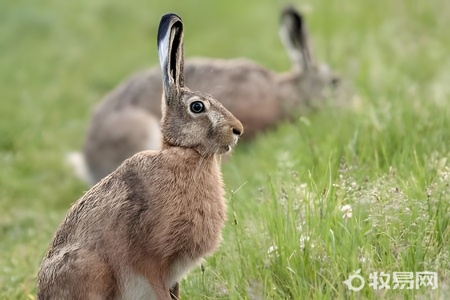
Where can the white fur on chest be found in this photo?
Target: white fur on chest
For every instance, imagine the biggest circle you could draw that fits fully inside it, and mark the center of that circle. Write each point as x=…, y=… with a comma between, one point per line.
x=180, y=268
x=136, y=287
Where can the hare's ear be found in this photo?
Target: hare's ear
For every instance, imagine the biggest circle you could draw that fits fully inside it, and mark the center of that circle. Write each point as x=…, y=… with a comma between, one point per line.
x=294, y=35
x=171, y=56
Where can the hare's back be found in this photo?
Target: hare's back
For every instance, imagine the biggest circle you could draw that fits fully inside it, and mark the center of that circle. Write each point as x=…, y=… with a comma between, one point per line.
x=228, y=78
x=142, y=90
x=245, y=88
x=224, y=79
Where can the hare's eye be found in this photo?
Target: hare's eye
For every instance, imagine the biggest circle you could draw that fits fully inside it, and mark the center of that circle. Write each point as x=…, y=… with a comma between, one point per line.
x=197, y=107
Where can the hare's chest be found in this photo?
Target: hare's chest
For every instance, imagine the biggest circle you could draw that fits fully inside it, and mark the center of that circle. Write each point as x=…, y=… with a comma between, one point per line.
x=203, y=218
x=200, y=219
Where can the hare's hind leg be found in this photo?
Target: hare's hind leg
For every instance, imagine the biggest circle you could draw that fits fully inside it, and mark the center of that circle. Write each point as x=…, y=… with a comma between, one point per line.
x=73, y=275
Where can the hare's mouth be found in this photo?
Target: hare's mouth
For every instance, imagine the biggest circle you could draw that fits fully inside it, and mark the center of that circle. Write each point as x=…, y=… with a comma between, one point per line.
x=226, y=149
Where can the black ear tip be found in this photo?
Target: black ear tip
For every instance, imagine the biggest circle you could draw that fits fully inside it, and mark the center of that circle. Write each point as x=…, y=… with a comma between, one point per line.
x=167, y=21
x=290, y=12
x=170, y=18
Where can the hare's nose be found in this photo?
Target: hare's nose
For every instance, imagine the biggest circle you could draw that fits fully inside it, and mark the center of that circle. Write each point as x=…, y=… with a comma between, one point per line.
x=236, y=127
x=237, y=131
x=335, y=82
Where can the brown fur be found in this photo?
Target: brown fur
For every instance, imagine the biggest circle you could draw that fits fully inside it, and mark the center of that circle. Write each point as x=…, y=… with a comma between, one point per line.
x=137, y=231
x=259, y=97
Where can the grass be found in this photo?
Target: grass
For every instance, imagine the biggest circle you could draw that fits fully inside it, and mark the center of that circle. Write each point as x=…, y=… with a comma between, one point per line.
x=386, y=153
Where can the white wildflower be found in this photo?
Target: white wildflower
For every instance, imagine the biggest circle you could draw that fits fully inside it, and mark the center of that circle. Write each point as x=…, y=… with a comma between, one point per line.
x=272, y=251
x=303, y=240
x=347, y=211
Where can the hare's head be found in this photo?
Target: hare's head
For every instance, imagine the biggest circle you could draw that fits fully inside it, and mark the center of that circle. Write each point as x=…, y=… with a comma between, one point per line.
x=190, y=119
x=314, y=79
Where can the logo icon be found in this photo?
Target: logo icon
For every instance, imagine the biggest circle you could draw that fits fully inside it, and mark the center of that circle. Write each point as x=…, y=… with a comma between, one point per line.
x=349, y=281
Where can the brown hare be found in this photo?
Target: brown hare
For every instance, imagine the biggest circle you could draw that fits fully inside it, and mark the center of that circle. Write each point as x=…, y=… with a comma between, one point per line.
x=127, y=120
x=140, y=229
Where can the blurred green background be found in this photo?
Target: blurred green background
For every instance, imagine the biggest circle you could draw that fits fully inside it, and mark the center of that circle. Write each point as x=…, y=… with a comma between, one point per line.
x=385, y=153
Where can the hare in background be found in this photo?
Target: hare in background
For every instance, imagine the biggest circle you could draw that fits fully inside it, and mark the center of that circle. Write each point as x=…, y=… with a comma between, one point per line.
x=127, y=120
x=136, y=232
